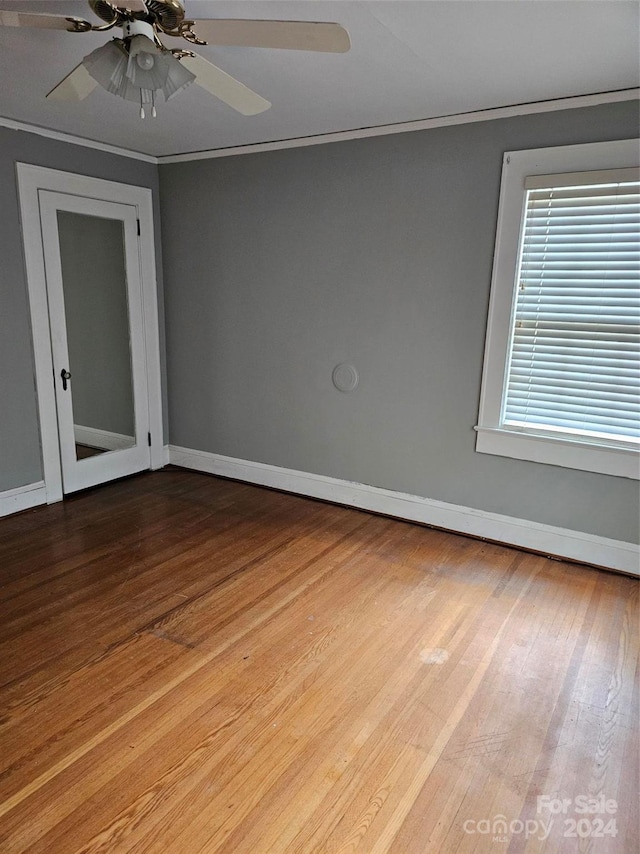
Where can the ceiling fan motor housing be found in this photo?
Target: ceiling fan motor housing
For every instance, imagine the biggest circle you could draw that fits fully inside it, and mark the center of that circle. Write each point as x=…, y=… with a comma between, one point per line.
x=167, y=14
x=104, y=10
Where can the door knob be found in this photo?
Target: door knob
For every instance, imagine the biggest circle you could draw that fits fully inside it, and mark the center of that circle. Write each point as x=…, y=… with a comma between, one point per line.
x=64, y=373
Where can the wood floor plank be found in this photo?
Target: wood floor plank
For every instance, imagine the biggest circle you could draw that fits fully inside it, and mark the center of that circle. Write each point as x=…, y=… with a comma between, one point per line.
x=204, y=679
x=107, y=615
x=196, y=665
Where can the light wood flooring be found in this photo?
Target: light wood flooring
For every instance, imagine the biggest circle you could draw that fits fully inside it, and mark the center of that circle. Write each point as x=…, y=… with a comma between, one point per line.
x=190, y=664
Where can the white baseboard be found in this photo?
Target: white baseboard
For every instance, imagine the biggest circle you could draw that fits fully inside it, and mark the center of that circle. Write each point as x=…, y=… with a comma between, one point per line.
x=547, y=539
x=103, y=439
x=22, y=498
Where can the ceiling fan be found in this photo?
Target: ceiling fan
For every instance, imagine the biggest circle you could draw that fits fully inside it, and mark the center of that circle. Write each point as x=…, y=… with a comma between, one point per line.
x=138, y=66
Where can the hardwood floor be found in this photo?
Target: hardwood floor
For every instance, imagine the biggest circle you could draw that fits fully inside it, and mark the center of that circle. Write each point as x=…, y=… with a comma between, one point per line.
x=195, y=665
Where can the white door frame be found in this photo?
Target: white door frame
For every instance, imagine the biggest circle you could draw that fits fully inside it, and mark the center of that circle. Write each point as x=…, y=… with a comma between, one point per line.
x=32, y=179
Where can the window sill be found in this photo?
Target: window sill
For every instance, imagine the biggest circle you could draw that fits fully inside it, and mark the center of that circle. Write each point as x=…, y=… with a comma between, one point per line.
x=559, y=451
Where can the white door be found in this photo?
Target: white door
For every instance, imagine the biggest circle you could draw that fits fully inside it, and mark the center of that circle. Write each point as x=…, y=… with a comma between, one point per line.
x=93, y=283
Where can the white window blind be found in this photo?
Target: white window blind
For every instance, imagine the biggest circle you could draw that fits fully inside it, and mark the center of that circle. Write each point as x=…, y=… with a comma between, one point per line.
x=574, y=365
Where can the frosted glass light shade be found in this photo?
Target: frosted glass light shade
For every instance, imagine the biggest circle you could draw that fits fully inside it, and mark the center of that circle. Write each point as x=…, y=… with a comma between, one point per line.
x=129, y=74
x=147, y=66
x=107, y=65
x=178, y=79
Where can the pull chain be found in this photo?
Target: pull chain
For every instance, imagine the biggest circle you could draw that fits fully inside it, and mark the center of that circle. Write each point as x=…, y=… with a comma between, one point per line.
x=153, y=104
x=141, y=107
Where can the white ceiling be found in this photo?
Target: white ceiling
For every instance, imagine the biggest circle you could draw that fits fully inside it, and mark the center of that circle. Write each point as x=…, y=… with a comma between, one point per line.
x=410, y=60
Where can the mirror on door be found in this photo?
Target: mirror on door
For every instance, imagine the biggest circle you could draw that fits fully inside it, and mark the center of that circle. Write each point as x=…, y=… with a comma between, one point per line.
x=97, y=318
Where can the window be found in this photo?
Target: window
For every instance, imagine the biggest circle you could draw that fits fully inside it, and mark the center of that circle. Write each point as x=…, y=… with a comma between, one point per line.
x=561, y=380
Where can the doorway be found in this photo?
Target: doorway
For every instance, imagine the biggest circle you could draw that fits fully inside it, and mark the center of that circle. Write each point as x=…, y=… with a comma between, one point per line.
x=90, y=267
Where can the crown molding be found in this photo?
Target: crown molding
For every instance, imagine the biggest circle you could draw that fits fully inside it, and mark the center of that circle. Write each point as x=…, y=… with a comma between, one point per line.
x=533, y=107
x=530, y=108
x=70, y=138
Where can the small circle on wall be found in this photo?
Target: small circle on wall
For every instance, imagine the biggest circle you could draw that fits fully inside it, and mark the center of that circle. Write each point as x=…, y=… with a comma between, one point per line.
x=345, y=377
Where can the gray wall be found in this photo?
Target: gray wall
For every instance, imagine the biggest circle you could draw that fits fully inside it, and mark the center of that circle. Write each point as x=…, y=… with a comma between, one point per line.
x=376, y=252
x=20, y=457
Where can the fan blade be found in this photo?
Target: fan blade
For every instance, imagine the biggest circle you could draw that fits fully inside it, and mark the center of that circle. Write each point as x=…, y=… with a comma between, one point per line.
x=289, y=35
x=217, y=82
x=131, y=5
x=75, y=86
x=48, y=22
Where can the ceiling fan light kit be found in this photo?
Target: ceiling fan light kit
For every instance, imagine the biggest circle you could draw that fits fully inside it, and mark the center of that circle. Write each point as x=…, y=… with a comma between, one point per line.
x=139, y=67
x=136, y=68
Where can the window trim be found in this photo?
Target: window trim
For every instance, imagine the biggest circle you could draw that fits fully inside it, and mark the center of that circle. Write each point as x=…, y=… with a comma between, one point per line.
x=586, y=453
